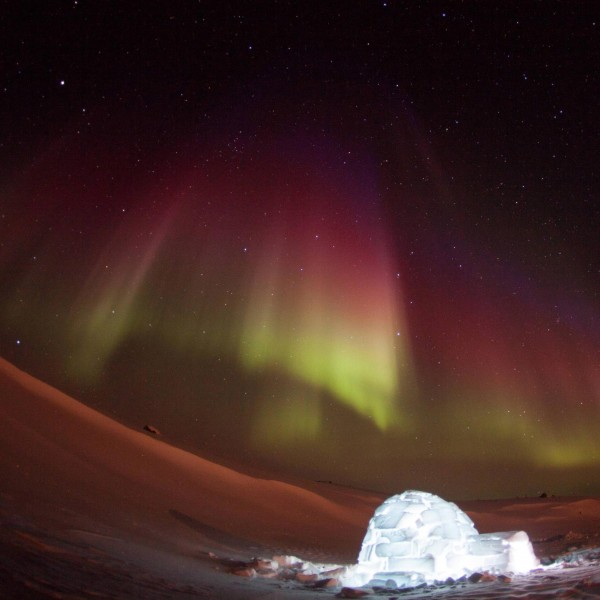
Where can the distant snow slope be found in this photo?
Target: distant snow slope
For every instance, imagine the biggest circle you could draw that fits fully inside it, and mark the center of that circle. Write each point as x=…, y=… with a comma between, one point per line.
x=57, y=452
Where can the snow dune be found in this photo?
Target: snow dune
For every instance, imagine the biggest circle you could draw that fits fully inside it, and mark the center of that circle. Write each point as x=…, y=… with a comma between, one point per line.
x=56, y=450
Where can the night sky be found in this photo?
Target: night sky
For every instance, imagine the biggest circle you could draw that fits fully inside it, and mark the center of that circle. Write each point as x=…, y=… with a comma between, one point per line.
x=349, y=241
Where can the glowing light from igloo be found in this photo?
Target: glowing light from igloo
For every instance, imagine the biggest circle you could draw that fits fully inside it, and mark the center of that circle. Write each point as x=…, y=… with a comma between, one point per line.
x=417, y=537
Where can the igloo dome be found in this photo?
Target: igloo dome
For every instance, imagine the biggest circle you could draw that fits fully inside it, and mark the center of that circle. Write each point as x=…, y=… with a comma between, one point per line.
x=417, y=537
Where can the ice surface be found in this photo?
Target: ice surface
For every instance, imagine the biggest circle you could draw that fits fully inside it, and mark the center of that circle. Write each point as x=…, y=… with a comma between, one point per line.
x=417, y=537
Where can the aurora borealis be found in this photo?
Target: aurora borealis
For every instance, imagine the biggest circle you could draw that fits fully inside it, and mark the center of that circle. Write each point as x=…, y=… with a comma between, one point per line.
x=365, y=253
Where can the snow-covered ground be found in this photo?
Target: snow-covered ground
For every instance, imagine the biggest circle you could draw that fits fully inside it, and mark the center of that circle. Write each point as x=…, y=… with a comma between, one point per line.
x=92, y=509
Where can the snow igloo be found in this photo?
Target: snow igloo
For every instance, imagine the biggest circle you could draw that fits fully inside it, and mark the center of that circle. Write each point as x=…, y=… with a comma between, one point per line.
x=417, y=537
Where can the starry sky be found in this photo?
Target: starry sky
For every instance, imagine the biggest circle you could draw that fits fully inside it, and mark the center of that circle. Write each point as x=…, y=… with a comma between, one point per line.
x=355, y=242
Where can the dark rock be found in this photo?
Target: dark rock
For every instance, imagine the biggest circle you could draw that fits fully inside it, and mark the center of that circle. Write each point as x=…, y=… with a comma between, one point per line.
x=348, y=592
x=330, y=582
